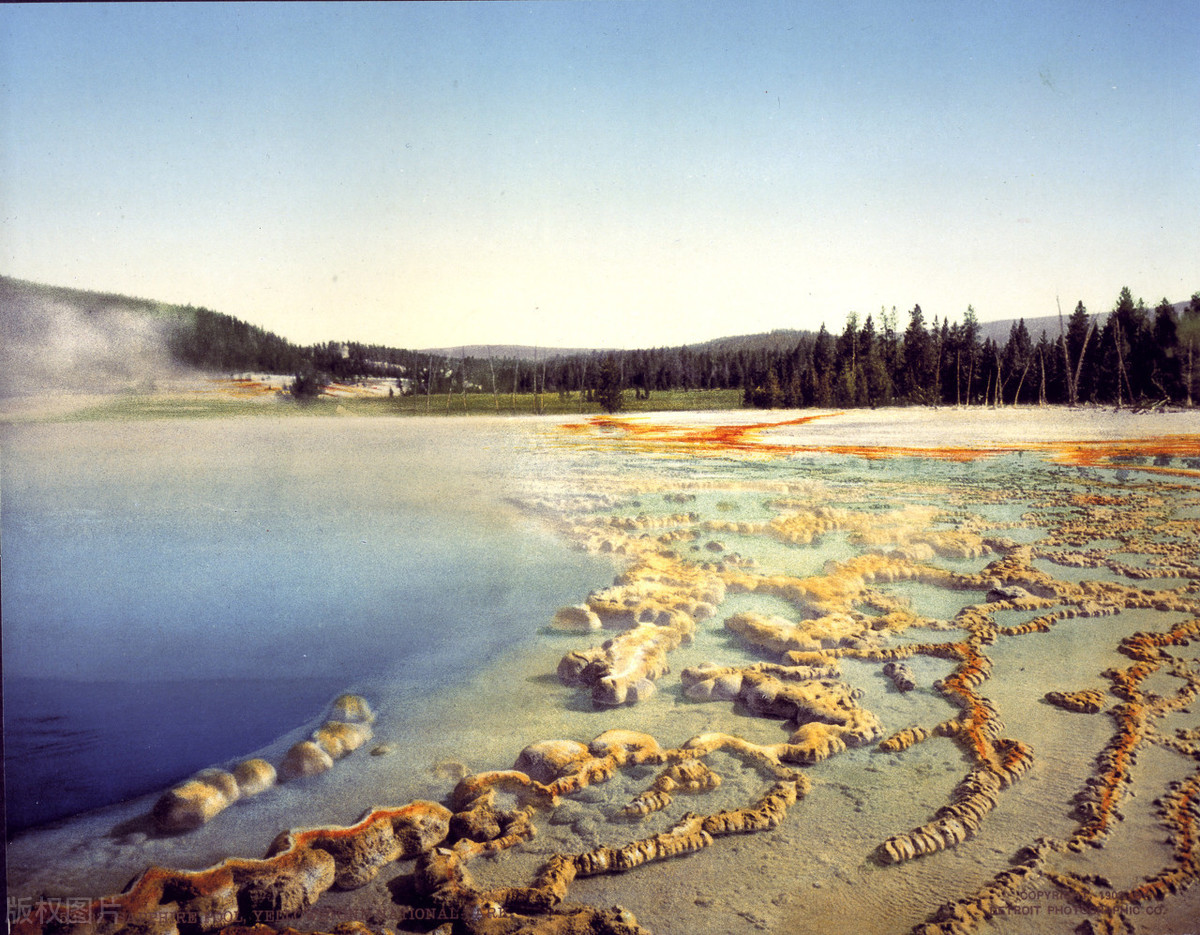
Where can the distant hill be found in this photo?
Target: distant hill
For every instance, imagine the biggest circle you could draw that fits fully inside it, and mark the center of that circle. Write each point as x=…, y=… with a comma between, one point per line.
x=781, y=339
x=70, y=339
x=998, y=330
x=83, y=341
x=506, y=351
x=18, y=295
x=94, y=341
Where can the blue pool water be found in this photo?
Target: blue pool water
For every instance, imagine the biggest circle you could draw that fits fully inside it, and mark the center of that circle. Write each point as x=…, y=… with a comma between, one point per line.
x=74, y=746
x=177, y=594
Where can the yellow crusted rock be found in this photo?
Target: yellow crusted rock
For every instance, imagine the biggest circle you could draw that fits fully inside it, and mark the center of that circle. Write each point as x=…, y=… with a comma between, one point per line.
x=546, y=760
x=578, y=618
x=253, y=776
x=304, y=759
x=195, y=802
x=353, y=709
x=337, y=738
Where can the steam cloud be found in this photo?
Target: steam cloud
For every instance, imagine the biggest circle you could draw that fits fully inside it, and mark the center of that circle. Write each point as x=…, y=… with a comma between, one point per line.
x=68, y=342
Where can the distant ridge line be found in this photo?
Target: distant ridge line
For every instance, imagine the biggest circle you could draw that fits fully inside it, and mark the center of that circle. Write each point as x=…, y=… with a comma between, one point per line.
x=511, y=351
x=779, y=338
x=998, y=330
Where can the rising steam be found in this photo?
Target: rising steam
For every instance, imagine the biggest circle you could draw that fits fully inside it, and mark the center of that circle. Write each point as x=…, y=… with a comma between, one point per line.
x=60, y=340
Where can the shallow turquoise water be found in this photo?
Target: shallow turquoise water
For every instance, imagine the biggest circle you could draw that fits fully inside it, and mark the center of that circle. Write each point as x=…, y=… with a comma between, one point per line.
x=471, y=682
x=179, y=594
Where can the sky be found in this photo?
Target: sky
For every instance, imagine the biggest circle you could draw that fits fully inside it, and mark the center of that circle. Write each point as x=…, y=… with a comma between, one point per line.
x=602, y=174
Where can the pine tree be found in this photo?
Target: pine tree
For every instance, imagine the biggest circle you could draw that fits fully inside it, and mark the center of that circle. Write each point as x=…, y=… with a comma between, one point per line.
x=849, y=375
x=969, y=350
x=1166, y=376
x=1018, y=357
x=1110, y=371
x=918, y=359
x=773, y=393
x=823, y=357
x=609, y=393
x=1074, y=343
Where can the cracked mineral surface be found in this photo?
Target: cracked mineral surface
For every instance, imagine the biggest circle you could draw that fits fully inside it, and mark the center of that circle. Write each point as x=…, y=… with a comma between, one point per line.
x=944, y=683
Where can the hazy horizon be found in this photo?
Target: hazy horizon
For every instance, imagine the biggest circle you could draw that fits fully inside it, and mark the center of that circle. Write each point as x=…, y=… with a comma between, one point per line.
x=601, y=174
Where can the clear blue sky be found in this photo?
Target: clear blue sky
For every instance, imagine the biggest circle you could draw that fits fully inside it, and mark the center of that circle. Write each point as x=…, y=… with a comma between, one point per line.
x=602, y=174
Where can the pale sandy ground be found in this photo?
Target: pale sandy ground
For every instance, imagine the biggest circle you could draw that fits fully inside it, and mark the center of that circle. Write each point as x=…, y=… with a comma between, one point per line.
x=927, y=427
x=896, y=426
x=262, y=386
x=31, y=408
x=89, y=848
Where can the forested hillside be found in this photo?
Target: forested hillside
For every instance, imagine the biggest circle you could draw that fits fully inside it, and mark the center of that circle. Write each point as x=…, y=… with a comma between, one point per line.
x=1137, y=356
x=1134, y=355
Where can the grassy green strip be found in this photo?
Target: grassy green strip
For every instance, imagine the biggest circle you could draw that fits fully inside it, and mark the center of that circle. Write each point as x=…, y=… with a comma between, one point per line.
x=199, y=406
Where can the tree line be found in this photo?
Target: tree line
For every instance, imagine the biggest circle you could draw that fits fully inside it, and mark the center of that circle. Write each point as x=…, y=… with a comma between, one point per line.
x=1137, y=356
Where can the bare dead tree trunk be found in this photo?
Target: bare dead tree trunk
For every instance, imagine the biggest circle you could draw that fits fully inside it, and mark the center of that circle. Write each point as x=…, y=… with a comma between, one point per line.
x=450, y=390
x=541, y=404
x=937, y=374
x=495, y=393
x=537, y=400
x=429, y=384
x=1121, y=367
x=462, y=378
x=998, y=399
x=516, y=371
x=1190, y=377
x=1042, y=385
x=958, y=378
x=1021, y=382
x=1072, y=379
x=1082, y=353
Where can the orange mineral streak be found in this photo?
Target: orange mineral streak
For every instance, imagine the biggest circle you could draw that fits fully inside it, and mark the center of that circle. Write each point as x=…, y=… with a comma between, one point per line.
x=1113, y=452
x=719, y=439
x=242, y=387
x=304, y=863
x=711, y=439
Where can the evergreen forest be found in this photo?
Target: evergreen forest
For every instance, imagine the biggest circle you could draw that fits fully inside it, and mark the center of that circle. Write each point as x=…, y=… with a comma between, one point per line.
x=1133, y=356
